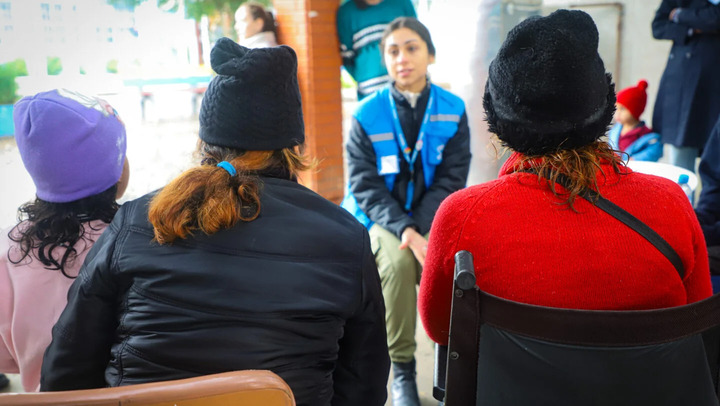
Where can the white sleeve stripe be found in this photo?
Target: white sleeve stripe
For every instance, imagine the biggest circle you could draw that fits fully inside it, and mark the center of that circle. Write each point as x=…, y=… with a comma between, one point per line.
x=368, y=30
x=367, y=40
x=374, y=81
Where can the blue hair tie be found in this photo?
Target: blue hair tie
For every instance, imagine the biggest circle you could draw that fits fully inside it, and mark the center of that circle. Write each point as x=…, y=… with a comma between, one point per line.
x=228, y=167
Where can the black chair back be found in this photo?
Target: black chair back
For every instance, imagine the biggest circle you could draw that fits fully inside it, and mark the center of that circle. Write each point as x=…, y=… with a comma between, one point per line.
x=502, y=352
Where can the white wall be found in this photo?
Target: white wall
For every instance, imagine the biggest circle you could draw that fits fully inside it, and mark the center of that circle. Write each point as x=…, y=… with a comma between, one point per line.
x=467, y=34
x=641, y=56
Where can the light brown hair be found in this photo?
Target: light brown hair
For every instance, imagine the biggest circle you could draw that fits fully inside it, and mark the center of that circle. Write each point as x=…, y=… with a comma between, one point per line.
x=207, y=198
x=580, y=165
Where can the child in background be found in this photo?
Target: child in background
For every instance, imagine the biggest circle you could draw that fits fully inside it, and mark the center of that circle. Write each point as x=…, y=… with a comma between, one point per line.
x=73, y=146
x=629, y=134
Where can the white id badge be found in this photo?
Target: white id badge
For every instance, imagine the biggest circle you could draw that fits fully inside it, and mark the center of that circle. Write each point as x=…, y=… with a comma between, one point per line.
x=389, y=165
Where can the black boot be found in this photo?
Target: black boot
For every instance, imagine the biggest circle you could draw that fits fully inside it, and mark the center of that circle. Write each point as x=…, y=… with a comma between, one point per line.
x=404, y=387
x=4, y=381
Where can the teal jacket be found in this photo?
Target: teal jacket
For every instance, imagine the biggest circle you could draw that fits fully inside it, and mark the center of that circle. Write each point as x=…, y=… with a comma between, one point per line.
x=359, y=32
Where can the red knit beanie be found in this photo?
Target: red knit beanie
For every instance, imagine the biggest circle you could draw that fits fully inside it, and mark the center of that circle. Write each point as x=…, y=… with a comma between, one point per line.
x=634, y=98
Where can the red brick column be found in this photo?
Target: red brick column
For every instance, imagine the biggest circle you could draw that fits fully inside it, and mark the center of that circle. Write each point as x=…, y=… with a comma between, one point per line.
x=308, y=26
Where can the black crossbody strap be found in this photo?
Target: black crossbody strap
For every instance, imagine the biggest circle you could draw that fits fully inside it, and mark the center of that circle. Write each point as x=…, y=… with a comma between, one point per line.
x=629, y=220
x=642, y=229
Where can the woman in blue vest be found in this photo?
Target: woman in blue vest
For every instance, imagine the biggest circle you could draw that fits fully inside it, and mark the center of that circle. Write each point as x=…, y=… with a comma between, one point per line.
x=408, y=149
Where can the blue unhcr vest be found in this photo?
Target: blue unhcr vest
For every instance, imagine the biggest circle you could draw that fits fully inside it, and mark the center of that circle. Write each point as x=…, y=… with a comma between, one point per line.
x=375, y=116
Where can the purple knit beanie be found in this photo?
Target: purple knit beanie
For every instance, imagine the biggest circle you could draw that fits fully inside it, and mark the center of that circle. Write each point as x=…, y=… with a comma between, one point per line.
x=72, y=145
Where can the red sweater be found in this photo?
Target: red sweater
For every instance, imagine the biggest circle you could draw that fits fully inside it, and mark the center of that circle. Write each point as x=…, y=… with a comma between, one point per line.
x=530, y=249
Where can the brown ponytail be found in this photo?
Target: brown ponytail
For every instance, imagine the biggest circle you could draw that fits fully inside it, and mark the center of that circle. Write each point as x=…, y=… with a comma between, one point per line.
x=209, y=199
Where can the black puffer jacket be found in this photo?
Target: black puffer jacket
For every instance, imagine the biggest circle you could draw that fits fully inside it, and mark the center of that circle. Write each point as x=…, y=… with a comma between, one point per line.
x=295, y=291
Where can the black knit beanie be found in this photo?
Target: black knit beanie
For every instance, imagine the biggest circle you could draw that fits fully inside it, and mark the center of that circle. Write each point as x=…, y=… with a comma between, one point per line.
x=254, y=102
x=547, y=89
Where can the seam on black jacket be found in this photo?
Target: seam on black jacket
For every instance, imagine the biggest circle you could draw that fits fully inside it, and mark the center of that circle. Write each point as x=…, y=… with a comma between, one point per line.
x=213, y=310
x=240, y=253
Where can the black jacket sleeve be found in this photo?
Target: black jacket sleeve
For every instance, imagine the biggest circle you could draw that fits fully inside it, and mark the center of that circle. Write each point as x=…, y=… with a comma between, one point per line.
x=708, y=206
x=369, y=187
x=706, y=18
x=82, y=337
x=361, y=374
x=662, y=28
x=450, y=176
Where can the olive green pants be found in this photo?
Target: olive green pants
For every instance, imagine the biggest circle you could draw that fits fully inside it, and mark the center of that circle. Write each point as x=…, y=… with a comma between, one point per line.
x=399, y=275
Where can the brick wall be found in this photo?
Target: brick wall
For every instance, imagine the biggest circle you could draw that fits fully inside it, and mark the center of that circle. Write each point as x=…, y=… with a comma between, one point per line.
x=308, y=26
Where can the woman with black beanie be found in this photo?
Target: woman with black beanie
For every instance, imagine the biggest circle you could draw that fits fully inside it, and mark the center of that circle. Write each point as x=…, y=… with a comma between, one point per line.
x=233, y=265
x=538, y=233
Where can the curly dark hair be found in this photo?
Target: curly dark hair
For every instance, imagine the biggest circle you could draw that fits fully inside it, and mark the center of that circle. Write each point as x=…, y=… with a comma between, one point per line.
x=44, y=227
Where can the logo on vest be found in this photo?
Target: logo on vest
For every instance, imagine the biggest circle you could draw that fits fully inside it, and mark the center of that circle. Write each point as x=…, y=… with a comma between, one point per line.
x=439, y=150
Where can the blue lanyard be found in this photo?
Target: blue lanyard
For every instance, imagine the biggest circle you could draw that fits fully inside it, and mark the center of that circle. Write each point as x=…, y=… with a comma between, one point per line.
x=406, y=151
